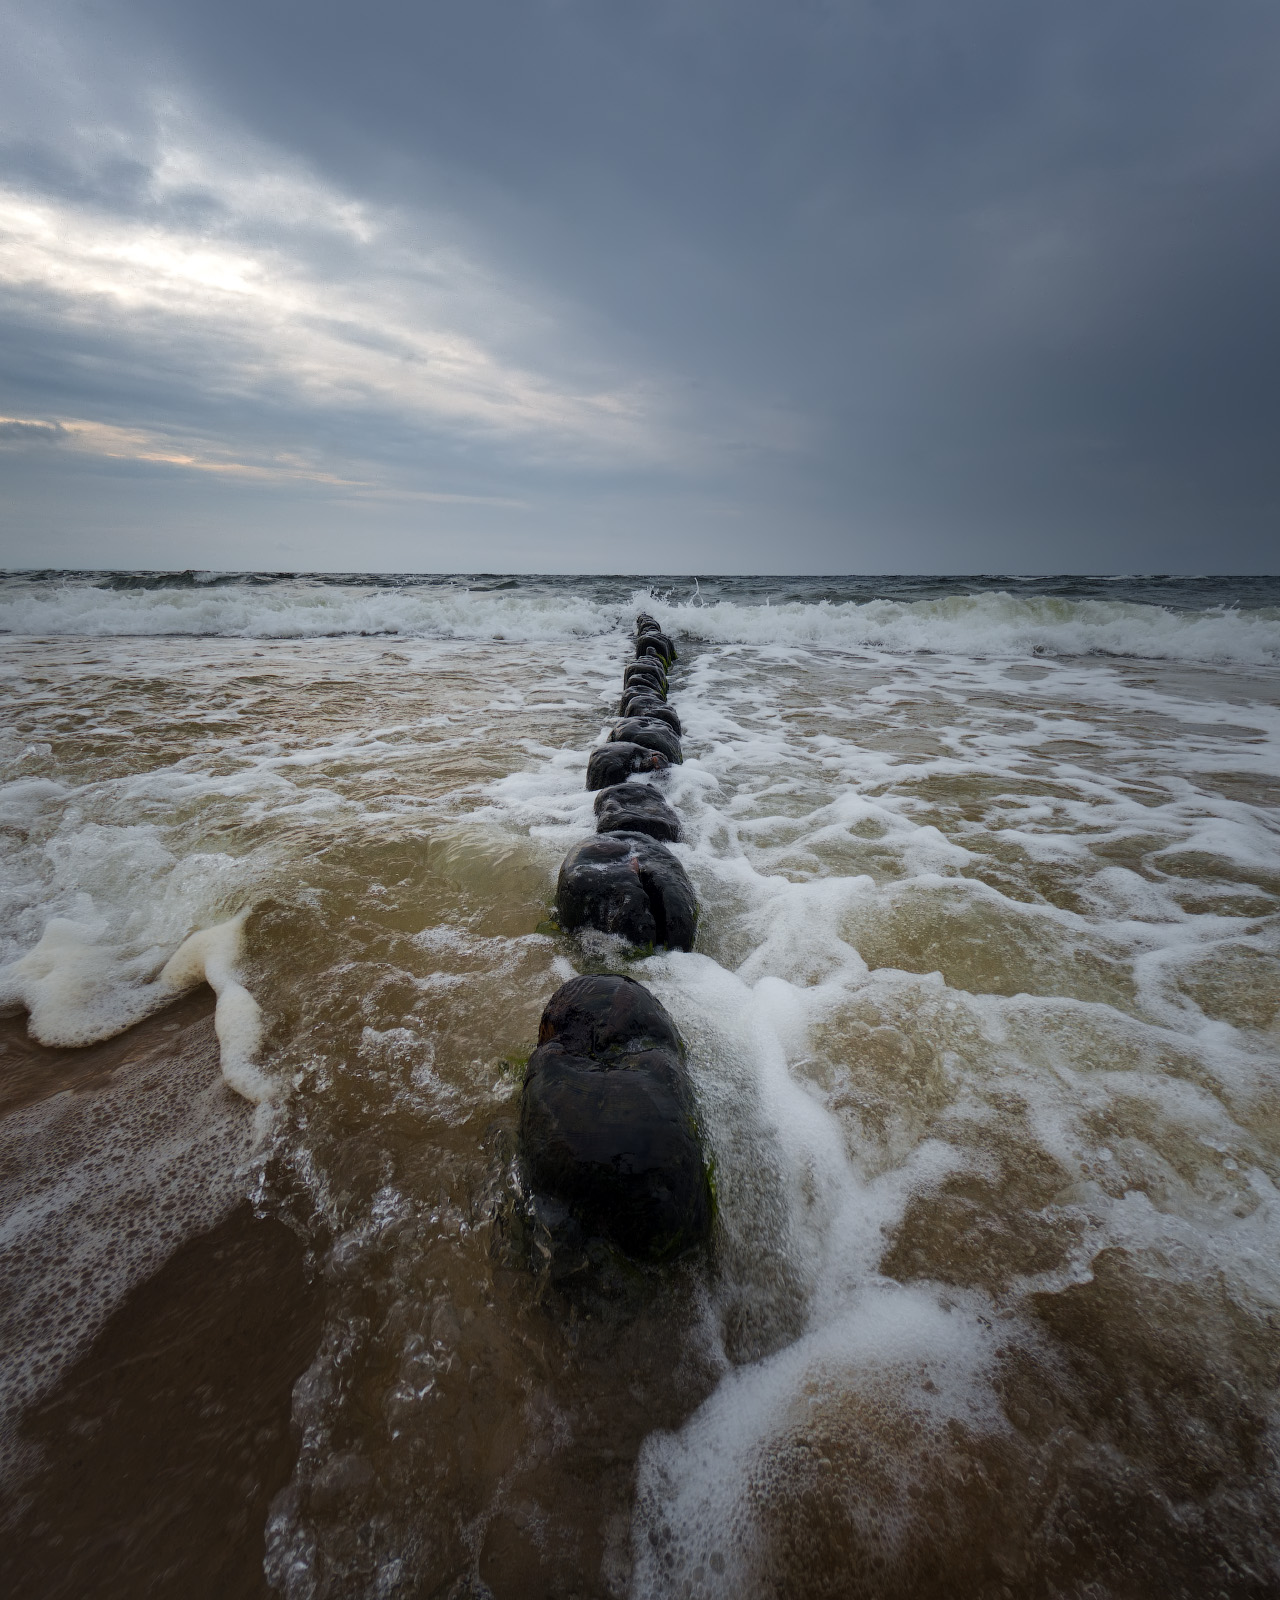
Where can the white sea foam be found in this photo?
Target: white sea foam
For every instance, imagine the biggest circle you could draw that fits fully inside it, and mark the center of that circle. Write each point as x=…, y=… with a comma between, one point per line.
x=984, y=624
x=95, y=906
x=992, y=624
x=300, y=611
x=79, y=986
x=210, y=956
x=900, y=1364
x=112, y=904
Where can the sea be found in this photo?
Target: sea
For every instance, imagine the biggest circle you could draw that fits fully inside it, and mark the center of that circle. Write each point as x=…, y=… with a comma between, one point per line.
x=983, y=1022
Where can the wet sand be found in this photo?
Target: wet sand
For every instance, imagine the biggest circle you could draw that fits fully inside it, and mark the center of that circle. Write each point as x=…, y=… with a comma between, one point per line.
x=31, y=1072
x=157, y=1455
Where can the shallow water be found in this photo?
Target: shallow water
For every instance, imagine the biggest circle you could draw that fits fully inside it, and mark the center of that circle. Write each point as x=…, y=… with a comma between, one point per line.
x=984, y=1020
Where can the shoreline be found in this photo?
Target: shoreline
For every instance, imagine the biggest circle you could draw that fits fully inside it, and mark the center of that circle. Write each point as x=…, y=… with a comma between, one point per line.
x=164, y=1441
x=31, y=1072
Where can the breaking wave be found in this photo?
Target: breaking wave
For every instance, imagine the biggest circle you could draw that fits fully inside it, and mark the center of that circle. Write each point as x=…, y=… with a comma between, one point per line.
x=952, y=618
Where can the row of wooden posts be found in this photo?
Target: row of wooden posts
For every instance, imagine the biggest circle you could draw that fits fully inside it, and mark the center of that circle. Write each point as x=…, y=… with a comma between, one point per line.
x=609, y=1127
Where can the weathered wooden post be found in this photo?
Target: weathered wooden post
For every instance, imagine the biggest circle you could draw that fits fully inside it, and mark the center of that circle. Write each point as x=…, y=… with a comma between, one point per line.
x=608, y=1123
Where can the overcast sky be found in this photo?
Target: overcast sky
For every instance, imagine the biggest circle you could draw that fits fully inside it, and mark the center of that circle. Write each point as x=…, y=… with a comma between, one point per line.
x=641, y=285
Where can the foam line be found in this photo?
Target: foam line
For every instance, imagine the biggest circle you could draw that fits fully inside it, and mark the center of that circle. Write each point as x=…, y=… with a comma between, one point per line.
x=210, y=956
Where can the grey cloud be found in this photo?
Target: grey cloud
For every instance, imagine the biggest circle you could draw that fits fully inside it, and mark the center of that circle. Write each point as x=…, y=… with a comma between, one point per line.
x=16, y=431
x=924, y=285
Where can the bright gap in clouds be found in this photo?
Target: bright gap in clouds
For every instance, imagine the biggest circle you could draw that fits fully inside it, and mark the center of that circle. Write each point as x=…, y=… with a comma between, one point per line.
x=267, y=285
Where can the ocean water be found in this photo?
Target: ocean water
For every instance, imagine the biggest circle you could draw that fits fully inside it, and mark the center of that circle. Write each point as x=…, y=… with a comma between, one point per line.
x=983, y=1018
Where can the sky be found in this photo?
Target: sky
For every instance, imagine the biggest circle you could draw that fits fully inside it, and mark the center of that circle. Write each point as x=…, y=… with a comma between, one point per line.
x=810, y=286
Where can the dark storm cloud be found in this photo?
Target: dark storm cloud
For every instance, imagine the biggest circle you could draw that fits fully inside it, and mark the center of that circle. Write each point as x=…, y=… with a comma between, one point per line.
x=825, y=286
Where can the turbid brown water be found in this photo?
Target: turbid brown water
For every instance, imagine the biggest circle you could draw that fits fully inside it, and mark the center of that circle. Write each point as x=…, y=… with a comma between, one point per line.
x=982, y=1019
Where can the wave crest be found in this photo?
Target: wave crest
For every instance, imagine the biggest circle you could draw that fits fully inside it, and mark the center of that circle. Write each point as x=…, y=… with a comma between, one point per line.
x=988, y=623
x=994, y=623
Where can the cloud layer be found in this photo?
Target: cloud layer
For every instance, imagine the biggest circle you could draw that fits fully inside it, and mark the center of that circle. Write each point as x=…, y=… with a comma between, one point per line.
x=835, y=287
